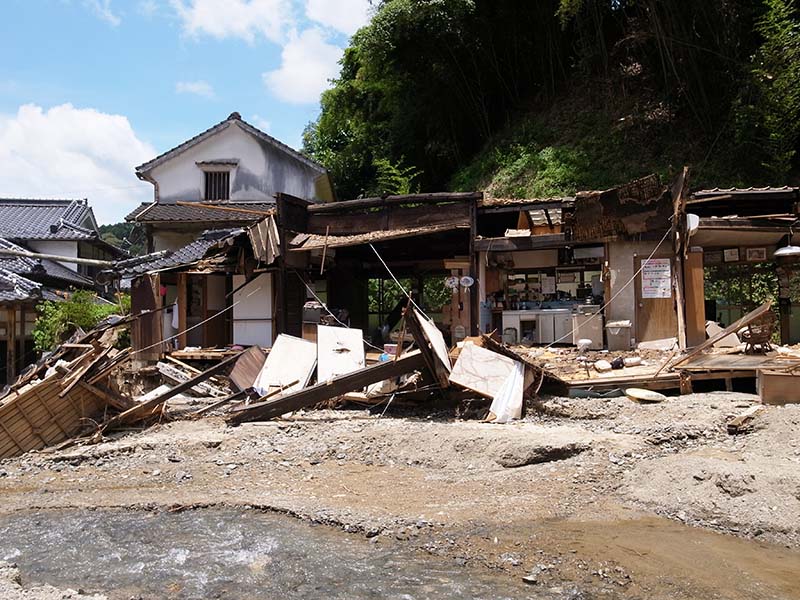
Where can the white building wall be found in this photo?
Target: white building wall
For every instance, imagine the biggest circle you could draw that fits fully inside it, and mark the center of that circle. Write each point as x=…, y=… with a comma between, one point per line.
x=621, y=261
x=252, y=317
x=57, y=248
x=262, y=171
x=172, y=240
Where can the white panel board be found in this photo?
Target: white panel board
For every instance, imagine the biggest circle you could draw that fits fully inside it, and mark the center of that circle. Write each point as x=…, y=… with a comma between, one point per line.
x=481, y=370
x=340, y=350
x=436, y=339
x=252, y=316
x=290, y=359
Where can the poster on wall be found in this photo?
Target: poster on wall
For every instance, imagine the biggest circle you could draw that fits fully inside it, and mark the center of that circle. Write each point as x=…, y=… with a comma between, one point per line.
x=657, y=278
x=731, y=254
x=548, y=284
x=756, y=254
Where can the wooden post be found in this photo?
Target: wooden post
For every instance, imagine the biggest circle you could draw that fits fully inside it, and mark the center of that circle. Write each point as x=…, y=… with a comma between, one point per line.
x=474, y=309
x=679, y=233
x=694, y=284
x=11, y=354
x=183, y=299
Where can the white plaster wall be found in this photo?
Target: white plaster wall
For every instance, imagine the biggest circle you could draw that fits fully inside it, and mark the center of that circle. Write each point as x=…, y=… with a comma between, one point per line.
x=263, y=170
x=172, y=240
x=58, y=248
x=621, y=262
x=252, y=317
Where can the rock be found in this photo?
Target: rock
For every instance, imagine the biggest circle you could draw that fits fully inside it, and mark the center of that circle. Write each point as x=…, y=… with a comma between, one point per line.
x=602, y=366
x=735, y=485
x=529, y=454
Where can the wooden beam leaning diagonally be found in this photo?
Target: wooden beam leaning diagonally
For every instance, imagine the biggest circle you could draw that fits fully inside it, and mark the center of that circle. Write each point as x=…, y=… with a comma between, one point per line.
x=748, y=318
x=142, y=409
x=320, y=392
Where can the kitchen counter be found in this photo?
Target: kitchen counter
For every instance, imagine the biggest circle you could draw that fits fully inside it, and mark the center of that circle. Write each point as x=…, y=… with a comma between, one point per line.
x=547, y=325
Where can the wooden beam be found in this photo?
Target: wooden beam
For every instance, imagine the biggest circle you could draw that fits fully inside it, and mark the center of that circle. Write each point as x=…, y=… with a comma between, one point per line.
x=326, y=390
x=248, y=211
x=183, y=299
x=534, y=242
x=434, y=198
x=749, y=317
x=11, y=345
x=142, y=409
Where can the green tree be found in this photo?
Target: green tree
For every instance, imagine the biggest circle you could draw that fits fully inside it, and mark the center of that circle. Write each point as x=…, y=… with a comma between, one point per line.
x=58, y=320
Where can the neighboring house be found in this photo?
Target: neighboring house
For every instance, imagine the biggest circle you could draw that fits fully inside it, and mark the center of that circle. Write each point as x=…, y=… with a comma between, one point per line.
x=56, y=227
x=227, y=176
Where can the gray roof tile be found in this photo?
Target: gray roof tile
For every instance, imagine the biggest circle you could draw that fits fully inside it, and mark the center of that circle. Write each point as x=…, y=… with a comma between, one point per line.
x=152, y=213
x=189, y=254
x=46, y=219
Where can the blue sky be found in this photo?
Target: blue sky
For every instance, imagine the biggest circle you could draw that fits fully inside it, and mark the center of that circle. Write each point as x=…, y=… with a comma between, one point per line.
x=91, y=88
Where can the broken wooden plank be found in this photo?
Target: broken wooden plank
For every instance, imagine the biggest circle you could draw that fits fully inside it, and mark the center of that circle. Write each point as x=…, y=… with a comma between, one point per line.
x=328, y=390
x=743, y=422
x=748, y=318
x=438, y=364
x=178, y=376
x=244, y=372
x=132, y=414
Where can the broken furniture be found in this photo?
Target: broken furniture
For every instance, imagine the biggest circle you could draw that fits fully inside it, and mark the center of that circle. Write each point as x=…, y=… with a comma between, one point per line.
x=757, y=336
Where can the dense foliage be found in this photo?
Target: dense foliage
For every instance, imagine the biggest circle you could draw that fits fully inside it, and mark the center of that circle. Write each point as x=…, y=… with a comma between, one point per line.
x=545, y=97
x=127, y=236
x=58, y=320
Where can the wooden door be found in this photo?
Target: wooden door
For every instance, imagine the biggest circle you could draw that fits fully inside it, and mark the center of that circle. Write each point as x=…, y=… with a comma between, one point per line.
x=655, y=299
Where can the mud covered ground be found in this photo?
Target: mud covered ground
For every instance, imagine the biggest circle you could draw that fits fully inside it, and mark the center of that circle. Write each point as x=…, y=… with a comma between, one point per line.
x=603, y=496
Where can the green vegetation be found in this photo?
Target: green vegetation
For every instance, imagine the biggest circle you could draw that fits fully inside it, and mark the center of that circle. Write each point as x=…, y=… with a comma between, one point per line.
x=549, y=97
x=127, y=236
x=58, y=320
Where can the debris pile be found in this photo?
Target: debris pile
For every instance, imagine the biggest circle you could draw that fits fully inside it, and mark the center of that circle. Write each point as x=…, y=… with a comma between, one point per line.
x=65, y=395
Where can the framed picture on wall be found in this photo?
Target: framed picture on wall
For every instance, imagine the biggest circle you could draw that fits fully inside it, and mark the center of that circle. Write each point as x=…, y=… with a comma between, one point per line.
x=756, y=254
x=713, y=257
x=731, y=254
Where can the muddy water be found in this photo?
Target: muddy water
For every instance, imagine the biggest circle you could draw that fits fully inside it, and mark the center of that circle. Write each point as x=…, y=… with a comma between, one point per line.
x=227, y=553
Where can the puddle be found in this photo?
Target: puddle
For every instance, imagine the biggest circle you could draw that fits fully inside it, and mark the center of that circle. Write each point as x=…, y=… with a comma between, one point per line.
x=228, y=553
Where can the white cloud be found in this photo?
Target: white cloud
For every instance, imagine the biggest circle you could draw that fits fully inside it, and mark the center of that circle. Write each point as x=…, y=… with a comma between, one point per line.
x=148, y=8
x=74, y=152
x=102, y=9
x=245, y=19
x=345, y=16
x=262, y=123
x=308, y=61
x=198, y=88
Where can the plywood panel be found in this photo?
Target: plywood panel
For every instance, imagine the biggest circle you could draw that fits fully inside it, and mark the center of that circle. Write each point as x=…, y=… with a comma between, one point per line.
x=340, y=350
x=291, y=360
x=693, y=281
x=481, y=370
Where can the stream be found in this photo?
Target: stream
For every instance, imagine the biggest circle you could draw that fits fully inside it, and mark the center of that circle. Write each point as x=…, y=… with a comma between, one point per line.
x=229, y=553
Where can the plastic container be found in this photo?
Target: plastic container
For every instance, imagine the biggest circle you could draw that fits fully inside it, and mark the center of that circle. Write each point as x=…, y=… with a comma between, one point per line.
x=618, y=334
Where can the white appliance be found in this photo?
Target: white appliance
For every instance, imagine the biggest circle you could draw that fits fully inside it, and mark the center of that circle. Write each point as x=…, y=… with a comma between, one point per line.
x=588, y=325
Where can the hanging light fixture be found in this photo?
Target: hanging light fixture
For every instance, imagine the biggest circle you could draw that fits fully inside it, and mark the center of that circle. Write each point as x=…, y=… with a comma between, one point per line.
x=788, y=250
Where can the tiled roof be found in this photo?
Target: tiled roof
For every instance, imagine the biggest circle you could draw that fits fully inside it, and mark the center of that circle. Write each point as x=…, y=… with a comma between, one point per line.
x=15, y=288
x=46, y=219
x=154, y=213
x=190, y=253
x=233, y=118
x=38, y=269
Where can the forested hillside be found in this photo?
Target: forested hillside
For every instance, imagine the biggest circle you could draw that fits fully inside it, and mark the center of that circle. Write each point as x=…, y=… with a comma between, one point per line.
x=540, y=98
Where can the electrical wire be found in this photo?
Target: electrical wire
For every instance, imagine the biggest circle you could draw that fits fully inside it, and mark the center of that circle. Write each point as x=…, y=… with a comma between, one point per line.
x=402, y=289
x=335, y=318
x=610, y=300
x=195, y=326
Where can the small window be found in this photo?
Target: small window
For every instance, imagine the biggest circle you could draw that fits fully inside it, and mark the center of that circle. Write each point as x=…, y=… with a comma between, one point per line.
x=218, y=185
